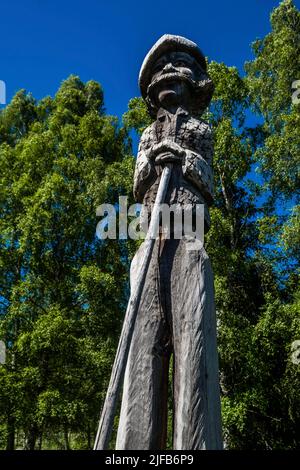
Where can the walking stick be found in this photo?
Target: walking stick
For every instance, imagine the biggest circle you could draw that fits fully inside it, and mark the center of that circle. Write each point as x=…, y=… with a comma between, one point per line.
x=118, y=370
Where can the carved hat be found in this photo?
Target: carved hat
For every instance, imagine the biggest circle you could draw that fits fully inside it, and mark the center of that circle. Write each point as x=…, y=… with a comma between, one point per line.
x=171, y=43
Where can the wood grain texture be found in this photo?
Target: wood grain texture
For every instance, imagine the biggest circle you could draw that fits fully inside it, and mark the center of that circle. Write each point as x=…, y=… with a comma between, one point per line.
x=109, y=407
x=171, y=308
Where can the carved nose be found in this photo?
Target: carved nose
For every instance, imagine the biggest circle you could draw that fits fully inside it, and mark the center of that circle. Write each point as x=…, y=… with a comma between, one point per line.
x=168, y=67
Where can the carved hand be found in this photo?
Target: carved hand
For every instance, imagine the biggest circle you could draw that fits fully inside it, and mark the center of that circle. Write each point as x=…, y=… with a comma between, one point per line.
x=167, y=151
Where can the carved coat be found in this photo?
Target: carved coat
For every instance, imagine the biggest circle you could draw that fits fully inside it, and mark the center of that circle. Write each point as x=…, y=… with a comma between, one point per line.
x=192, y=181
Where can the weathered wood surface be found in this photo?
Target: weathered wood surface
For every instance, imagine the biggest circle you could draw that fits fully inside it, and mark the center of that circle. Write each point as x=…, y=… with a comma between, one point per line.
x=173, y=290
x=176, y=316
x=117, y=375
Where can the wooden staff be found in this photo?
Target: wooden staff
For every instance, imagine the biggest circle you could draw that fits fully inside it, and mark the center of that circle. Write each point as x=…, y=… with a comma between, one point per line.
x=118, y=370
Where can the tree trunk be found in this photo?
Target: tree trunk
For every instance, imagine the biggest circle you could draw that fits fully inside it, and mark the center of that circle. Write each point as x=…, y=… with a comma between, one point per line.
x=229, y=207
x=31, y=438
x=89, y=440
x=66, y=438
x=40, y=440
x=10, y=442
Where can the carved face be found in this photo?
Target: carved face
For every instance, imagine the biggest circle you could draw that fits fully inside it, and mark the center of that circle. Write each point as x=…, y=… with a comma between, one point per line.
x=174, y=77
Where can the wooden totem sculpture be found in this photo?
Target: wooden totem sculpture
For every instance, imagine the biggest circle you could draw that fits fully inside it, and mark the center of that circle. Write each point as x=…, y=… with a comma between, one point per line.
x=174, y=307
x=177, y=311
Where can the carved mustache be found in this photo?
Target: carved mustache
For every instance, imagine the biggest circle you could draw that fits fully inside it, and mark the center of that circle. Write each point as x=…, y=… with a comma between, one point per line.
x=171, y=77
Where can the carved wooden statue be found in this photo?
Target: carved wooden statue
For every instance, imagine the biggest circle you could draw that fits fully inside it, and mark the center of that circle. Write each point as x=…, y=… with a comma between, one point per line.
x=176, y=312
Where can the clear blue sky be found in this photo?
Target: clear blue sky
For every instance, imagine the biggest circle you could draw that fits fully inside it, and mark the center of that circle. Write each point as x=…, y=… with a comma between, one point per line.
x=44, y=41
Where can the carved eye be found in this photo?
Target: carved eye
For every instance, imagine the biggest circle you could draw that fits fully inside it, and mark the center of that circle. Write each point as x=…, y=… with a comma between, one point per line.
x=157, y=68
x=180, y=63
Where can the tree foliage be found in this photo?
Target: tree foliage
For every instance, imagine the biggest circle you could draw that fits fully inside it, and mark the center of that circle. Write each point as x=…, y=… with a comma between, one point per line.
x=253, y=242
x=63, y=292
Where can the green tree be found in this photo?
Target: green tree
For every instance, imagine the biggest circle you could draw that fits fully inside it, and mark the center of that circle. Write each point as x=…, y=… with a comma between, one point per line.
x=63, y=291
x=262, y=411
x=253, y=244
